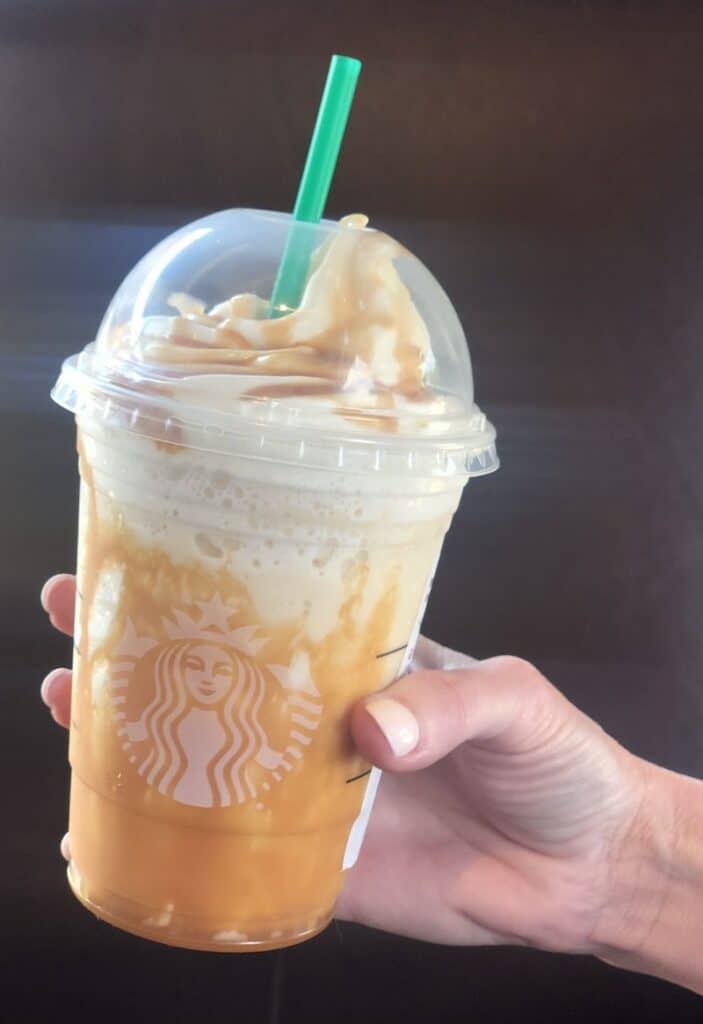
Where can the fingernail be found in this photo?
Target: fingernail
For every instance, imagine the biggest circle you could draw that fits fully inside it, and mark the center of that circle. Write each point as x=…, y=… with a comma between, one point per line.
x=48, y=685
x=397, y=723
x=66, y=847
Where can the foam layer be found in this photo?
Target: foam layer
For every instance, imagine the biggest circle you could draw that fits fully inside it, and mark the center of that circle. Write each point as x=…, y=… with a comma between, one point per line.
x=294, y=547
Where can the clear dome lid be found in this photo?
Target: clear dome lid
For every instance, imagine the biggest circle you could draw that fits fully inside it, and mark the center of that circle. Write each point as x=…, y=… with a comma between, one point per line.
x=370, y=371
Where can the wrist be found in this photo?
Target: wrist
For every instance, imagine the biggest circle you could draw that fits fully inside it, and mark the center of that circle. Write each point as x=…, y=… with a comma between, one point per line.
x=653, y=922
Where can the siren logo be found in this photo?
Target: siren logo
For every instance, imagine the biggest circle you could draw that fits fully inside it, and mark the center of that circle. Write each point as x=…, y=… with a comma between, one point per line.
x=188, y=707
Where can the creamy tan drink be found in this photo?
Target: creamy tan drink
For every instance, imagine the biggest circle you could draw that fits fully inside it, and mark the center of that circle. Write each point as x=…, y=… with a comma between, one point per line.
x=263, y=502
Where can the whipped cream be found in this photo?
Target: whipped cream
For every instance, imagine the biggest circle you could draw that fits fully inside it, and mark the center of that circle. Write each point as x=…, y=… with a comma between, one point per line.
x=370, y=374
x=356, y=346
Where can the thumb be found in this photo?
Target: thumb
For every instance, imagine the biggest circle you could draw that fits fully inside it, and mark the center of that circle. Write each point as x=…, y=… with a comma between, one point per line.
x=502, y=704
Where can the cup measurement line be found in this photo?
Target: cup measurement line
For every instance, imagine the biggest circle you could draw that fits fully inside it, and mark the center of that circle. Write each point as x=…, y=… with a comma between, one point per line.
x=395, y=650
x=361, y=775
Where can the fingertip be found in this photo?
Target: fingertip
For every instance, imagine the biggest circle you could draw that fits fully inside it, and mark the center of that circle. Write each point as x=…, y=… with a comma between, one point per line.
x=384, y=732
x=52, y=590
x=52, y=683
x=56, y=694
x=45, y=592
x=397, y=724
x=60, y=716
x=59, y=599
x=367, y=736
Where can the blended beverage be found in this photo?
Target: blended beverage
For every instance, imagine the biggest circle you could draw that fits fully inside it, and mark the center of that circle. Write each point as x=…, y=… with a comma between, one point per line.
x=263, y=503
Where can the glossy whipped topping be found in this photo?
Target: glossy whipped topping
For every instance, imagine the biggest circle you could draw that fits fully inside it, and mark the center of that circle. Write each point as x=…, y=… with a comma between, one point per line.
x=356, y=346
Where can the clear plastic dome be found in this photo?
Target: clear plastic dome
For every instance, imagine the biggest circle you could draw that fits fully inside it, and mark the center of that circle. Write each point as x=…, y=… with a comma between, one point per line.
x=373, y=357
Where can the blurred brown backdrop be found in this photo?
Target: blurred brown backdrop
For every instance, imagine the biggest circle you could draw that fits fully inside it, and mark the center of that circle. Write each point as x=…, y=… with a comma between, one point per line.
x=490, y=110
x=545, y=159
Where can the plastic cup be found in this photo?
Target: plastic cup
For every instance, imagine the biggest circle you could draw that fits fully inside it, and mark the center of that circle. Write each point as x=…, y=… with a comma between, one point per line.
x=250, y=564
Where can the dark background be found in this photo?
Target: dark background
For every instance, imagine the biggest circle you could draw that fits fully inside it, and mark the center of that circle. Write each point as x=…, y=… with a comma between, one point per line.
x=545, y=160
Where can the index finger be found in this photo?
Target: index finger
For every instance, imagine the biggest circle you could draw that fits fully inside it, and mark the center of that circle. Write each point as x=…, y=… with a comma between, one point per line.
x=58, y=599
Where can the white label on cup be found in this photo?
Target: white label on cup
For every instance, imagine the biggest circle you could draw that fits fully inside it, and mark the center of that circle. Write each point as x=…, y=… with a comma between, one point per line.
x=358, y=830
x=412, y=642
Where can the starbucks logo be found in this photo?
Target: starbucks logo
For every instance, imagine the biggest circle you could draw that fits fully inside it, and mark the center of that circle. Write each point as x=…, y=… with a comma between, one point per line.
x=188, y=707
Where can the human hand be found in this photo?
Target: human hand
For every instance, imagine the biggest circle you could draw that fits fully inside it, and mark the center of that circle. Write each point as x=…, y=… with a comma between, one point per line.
x=505, y=815
x=58, y=599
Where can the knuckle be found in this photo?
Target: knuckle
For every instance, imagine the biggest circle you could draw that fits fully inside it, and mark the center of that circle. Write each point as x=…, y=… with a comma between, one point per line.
x=536, y=690
x=522, y=671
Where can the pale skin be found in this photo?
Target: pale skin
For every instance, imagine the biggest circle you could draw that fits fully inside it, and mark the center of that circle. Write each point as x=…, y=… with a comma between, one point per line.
x=507, y=816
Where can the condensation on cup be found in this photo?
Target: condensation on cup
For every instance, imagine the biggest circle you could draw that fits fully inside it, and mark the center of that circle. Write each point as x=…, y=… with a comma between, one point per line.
x=263, y=503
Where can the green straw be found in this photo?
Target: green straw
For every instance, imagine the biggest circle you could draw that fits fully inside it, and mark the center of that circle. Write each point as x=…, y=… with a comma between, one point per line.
x=315, y=182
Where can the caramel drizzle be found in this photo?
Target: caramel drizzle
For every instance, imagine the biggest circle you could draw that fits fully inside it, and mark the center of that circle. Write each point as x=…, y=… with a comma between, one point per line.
x=354, y=296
